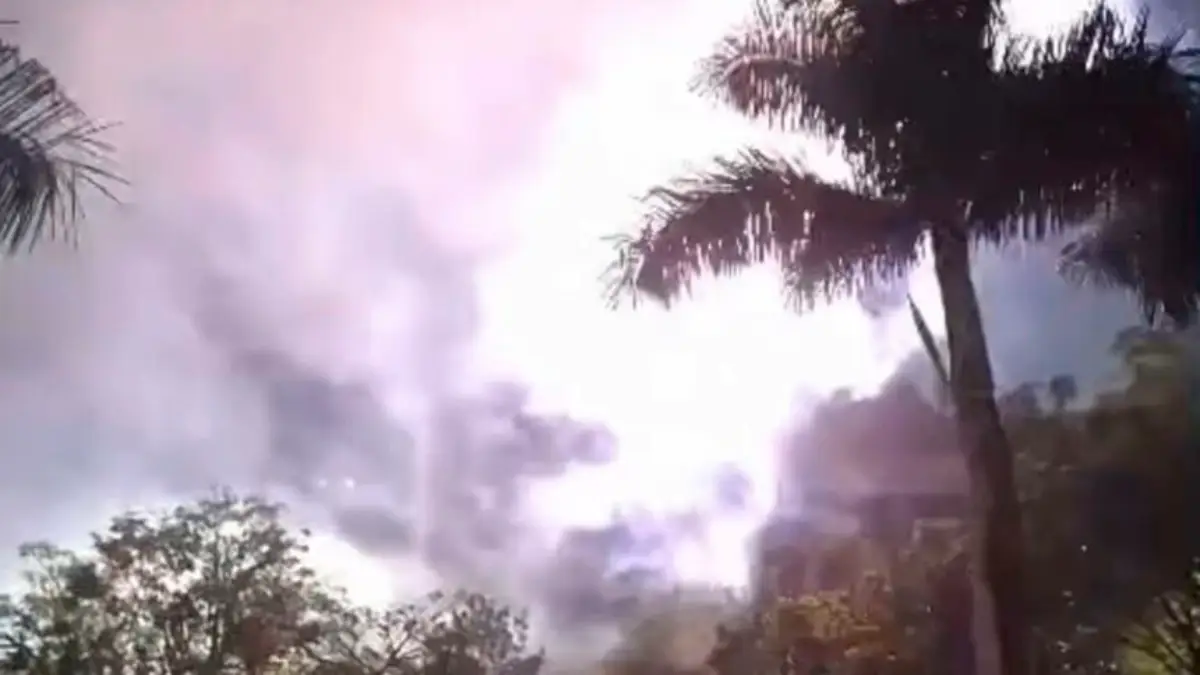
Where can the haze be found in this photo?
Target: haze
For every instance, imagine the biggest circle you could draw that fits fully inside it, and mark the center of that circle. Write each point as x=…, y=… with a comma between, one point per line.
x=361, y=240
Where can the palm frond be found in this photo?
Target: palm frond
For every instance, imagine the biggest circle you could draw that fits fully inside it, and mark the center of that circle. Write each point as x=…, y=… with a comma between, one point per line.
x=850, y=70
x=1101, y=124
x=797, y=67
x=1147, y=252
x=50, y=153
x=830, y=239
x=776, y=64
x=1090, y=261
x=1083, y=123
x=970, y=21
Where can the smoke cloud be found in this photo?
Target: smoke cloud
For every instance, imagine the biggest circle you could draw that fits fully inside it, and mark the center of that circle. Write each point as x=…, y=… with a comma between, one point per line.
x=287, y=299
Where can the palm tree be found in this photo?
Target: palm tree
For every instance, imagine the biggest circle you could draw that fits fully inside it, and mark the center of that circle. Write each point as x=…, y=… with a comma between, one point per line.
x=957, y=133
x=1160, y=269
x=50, y=153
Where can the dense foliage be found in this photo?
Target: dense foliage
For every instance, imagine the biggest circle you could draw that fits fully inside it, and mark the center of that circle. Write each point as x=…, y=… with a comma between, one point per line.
x=1107, y=489
x=221, y=586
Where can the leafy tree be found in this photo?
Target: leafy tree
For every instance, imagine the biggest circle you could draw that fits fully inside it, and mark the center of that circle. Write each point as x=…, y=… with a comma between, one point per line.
x=50, y=630
x=51, y=153
x=1106, y=486
x=826, y=629
x=1164, y=636
x=460, y=634
x=1108, y=492
x=203, y=587
x=674, y=632
x=221, y=586
x=954, y=130
x=888, y=613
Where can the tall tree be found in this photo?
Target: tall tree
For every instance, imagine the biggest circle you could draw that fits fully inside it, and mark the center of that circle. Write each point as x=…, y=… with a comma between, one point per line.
x=199, y=588
x=221, y=586
x=885, y=612
x=956, y=132
x=51, y=153
x=1108, y=487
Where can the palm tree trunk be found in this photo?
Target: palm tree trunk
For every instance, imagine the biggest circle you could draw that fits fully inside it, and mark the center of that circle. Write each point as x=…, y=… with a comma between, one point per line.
x=989, y=453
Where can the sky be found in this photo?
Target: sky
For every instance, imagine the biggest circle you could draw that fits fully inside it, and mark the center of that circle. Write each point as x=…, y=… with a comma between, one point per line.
x=357, y=269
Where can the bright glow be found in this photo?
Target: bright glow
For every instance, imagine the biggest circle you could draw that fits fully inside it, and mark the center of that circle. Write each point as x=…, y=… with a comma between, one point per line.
x=712, y=382
x=707, y=385
x=367, y=581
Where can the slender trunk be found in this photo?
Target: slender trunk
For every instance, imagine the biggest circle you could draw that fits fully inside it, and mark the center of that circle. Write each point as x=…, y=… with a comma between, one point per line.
x=989, y=453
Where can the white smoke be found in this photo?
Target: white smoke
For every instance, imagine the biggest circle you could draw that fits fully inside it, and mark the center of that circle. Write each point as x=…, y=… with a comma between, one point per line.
x=293, y=294
x=288, y=298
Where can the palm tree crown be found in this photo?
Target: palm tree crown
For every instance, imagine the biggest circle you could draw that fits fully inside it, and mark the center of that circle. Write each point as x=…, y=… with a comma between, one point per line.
x=50, y=151
x=942, y=114
x=953, y=127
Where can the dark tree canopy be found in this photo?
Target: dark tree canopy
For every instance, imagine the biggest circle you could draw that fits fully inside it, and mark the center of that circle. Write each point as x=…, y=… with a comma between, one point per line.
x=222, y=586
x=941, y=113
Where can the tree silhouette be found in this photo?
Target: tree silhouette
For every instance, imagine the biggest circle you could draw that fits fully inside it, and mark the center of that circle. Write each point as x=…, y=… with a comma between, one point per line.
x=956, y=132
x=222, y=586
